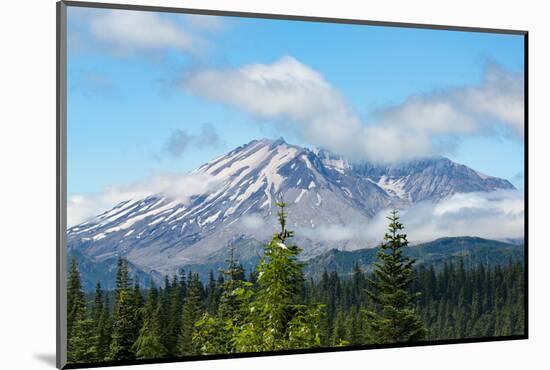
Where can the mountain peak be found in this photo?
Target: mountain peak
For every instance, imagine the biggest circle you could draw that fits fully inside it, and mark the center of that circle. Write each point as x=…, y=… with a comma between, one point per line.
x=322, y=188
x=272, y=143
x=279, y=141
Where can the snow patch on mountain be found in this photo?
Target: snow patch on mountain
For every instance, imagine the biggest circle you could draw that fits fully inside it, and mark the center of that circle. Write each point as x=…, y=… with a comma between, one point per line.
x=393, y=186
x=161, y=233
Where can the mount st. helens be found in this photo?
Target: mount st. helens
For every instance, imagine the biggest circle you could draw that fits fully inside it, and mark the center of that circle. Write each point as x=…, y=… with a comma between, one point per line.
x=159, y=234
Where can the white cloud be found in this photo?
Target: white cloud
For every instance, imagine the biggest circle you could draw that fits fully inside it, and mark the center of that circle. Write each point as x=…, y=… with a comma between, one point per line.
x=206, y=23
x=81, y=207
x=253, y=222
x=130, y=30
x=299, y=99
x=465, y=110
x=492, y=215
x=284, y=90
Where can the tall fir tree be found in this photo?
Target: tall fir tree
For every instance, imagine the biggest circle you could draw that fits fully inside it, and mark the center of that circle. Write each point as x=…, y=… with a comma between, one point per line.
x=231, y=300
x=83, y=342
x=211, y=302
x=122, y=339
x=76, y=304
x=215, y=332
x=104, y=330
x=274, y=319
x=192, y=312
x=395, y=319
x=137, y=305
x=97, y=308
x=81, y=329
x=149, y=344
x=173, y=327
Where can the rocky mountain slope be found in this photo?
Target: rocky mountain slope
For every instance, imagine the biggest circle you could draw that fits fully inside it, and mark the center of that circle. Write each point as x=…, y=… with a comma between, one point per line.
x=161, y=234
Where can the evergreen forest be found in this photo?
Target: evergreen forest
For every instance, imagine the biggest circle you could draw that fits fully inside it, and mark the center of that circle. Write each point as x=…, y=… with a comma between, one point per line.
x=276, y=308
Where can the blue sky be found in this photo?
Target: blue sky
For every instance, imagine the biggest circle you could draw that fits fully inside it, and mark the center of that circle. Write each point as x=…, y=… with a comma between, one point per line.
x=131, y=94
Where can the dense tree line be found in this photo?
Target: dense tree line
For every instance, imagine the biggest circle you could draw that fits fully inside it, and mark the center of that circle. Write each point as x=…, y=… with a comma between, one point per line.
x=472, y=303
x=275, y=308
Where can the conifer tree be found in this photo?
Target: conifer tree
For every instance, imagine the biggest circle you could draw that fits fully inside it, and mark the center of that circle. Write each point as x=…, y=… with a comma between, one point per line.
x=274, y=315
x=149, y=344
x=164, y=312
x=99, y=326
x=104, y=331
x=122, y=339
x=97, y=308
x=215, y=333
x=137, y=305
x=122, y=277
x=173, y=327
x=76, y=304
x=192, y=311
x=81, y=330
x=83, y=341
x=395, y=319
x=231, y=300
x=211, y=293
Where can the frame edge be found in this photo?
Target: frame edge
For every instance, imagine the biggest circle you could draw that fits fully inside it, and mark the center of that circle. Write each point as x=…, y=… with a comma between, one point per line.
x=61, y=190
x=294, y=17
x=61, y=175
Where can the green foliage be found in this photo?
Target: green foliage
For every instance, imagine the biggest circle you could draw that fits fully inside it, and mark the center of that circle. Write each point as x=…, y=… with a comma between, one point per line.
x=104, y=331
x=394, y=319
x=275, y=308
x=304, y=328
x=123, y=335
x=80, y=331
x=235, y=292
x=76, y=304
x=274, y=320
x=149, y=343
x=472, y=303
x=83, y=342
x=192, y=312
x=472, y=251
x=213, y=335
x=218, y=333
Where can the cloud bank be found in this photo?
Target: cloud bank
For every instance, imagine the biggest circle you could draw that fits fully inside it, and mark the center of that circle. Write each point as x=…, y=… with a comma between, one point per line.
x=81, y=207
x=252, y=222
x=297, y=98
x=493, y=215
x=131, y=32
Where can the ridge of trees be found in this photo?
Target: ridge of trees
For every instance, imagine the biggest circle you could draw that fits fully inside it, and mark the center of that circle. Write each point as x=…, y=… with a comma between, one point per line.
x=276, y=308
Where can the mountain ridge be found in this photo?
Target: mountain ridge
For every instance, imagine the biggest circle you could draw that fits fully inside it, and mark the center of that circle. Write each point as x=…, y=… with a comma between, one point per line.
x=161, y=234
x=472, y=251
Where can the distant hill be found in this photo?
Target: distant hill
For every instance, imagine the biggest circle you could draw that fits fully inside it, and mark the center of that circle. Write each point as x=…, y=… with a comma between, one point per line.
x=472, y=250
x=104, y=272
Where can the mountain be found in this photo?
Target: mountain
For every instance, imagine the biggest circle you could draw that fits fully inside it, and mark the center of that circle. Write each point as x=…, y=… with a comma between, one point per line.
x=430, y=179
x=161, y=234
x=471, y=250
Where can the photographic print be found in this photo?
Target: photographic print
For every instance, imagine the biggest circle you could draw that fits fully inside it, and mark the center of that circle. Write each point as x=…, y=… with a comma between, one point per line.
x=241, y=185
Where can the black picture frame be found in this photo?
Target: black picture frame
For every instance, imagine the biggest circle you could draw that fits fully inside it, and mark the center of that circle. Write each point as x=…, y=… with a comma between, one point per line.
x=61, y=176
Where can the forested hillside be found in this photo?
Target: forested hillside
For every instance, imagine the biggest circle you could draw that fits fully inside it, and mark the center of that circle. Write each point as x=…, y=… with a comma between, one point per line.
x=277, y=307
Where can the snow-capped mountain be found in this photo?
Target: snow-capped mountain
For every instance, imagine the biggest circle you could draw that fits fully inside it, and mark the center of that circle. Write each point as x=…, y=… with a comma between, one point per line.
x=430, y=179
x=162, y=234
